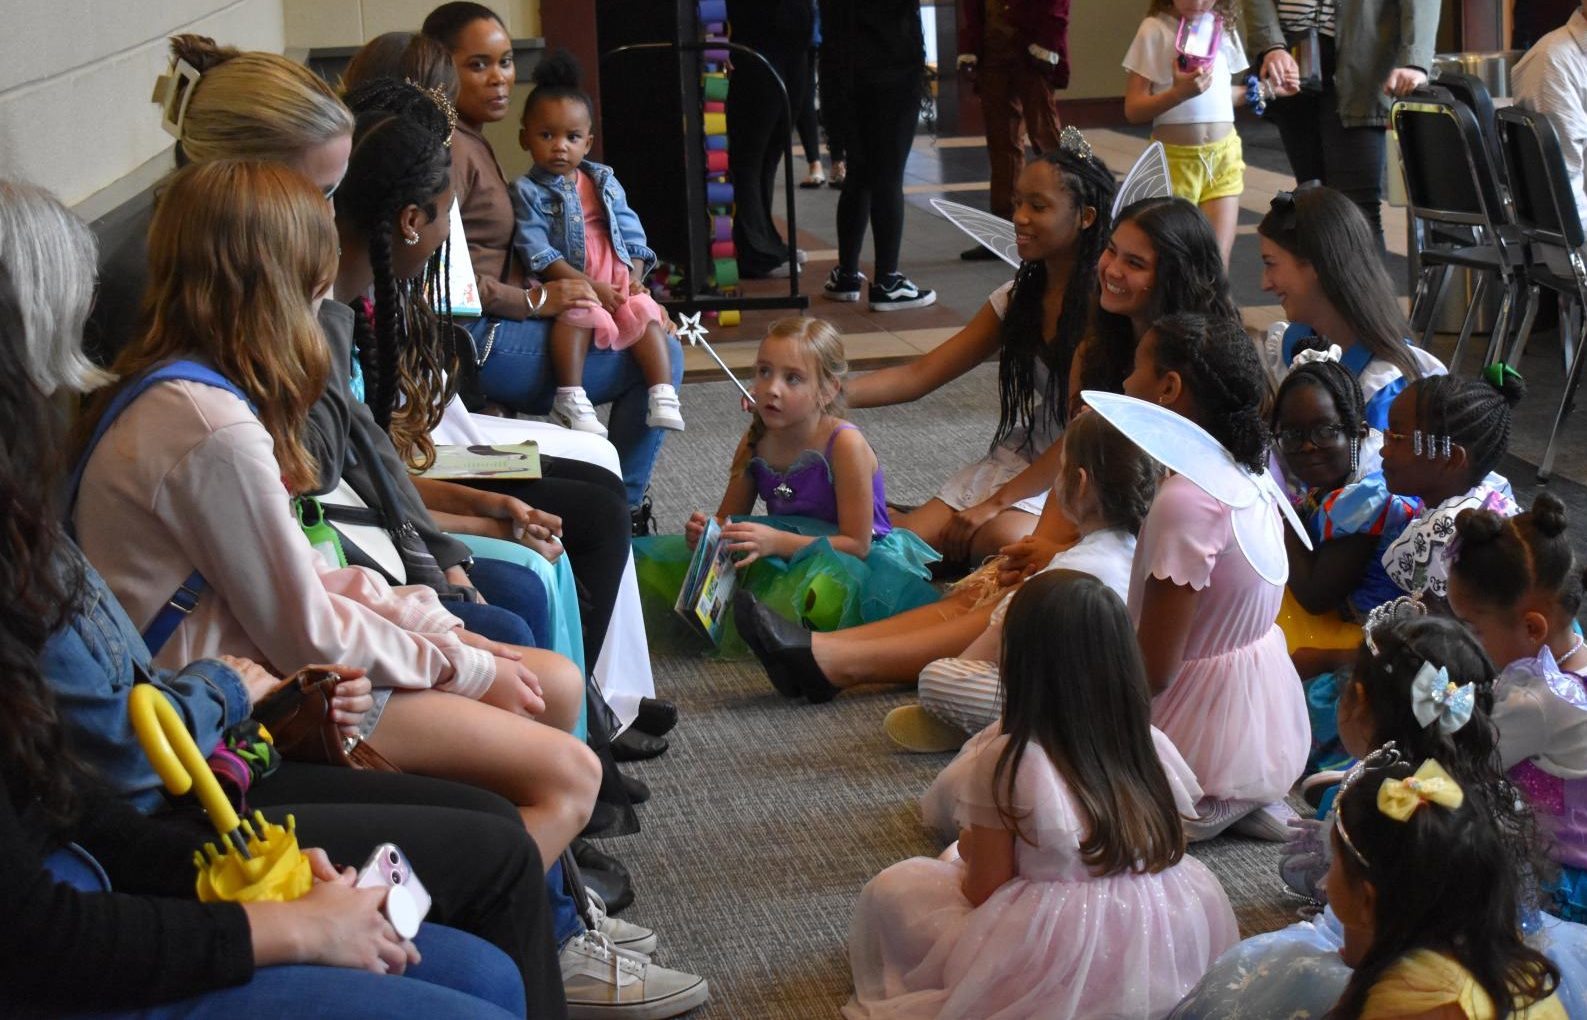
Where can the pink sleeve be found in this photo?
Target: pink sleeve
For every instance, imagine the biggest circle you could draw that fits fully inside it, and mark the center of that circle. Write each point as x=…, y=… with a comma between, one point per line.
x=226, y=497
x=1184, y=533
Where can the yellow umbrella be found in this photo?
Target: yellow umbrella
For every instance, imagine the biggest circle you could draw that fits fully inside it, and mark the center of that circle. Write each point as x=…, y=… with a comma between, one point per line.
x=257, y=860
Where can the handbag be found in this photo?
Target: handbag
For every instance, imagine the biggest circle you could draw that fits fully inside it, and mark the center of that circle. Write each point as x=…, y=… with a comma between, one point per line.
x=297, y=715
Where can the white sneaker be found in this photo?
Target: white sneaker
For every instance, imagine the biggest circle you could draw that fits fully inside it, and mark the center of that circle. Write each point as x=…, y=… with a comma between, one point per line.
x=572, y=409
x=1213, y=816
x=602, y=981
x=663, y=410
x=1269, y=823
x=633, y=938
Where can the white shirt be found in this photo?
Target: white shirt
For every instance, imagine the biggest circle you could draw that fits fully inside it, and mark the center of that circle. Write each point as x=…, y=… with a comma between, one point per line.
x=1152, y=56
x=1551, y=79
x=1105, y=554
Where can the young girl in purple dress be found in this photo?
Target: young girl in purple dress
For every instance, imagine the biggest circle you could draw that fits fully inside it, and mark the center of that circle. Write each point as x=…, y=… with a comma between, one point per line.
x=825, y=553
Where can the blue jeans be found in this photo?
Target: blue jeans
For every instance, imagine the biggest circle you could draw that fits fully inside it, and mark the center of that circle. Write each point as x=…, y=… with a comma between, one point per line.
x=460, y=976
x=565, y=919
x=518, y=375
x=517, y=589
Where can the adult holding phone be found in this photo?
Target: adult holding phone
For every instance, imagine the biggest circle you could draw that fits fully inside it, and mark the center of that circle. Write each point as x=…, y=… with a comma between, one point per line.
x=1350, y=60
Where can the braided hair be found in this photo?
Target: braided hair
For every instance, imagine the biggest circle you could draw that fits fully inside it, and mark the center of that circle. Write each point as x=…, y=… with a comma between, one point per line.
x=557, y=76
x=1472, y=412
x=408, y=353
x=1024, y=335
x=1505, y=558
x=1219, y=366
x=1334, y=379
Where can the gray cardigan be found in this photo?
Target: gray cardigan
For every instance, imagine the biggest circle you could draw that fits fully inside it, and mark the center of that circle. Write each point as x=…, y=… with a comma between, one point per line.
x=331, y=444
x=1372, y=38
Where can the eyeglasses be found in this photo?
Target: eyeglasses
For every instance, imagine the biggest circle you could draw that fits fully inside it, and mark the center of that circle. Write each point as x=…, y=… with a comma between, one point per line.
x=330, y=189
x=1292, y=439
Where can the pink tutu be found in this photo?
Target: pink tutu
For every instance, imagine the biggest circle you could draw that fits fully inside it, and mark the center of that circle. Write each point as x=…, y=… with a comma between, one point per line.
x=1055, y=941
x=1240, y=720
x=620, y=329
x=1236, y=710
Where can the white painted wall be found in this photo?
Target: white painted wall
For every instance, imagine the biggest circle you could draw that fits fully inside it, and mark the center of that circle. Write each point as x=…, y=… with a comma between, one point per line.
x=75, y=82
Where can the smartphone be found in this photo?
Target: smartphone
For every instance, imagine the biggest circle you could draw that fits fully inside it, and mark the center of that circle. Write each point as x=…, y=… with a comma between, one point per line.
x=406, y=902
x=1198, y=40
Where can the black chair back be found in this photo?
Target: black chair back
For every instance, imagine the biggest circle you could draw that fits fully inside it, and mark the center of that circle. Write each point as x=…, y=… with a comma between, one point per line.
x=1449, y=170
x=1540, y=186
x=1469, y=89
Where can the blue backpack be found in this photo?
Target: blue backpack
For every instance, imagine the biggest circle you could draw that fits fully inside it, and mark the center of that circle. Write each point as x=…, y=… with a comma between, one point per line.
x=185, y=599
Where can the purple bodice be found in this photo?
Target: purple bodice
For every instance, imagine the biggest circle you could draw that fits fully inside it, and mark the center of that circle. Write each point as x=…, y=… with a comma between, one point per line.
x=806, y=489
x=1559, y=804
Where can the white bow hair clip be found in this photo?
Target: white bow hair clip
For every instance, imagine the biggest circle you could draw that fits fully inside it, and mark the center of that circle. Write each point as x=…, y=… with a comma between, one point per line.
x=1435, y=698
x=1311, y=354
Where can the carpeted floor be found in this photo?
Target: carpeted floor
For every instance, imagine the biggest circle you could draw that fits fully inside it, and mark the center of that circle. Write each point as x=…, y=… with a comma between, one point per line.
x=769, y=815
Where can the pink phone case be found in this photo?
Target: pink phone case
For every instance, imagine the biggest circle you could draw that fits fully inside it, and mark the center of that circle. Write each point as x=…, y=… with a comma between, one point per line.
x=1198, y=40
x=387, y=867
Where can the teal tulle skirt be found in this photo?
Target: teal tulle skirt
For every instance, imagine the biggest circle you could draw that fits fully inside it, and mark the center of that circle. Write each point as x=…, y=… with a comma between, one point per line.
x=819, y=586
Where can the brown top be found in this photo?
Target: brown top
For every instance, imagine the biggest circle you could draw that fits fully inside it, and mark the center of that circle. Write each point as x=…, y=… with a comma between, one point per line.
x=486, y=206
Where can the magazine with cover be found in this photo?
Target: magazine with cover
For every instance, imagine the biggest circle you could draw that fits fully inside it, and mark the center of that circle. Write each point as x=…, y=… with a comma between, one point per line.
x=708, y=586
x=503, y=460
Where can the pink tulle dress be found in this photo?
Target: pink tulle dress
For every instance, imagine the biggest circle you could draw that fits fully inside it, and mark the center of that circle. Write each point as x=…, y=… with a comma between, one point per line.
x=1054, y=941
x=1236, y=711
x=617, y=330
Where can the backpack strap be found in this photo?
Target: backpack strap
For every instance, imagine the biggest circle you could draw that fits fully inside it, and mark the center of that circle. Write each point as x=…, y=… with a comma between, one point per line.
x=185, y=599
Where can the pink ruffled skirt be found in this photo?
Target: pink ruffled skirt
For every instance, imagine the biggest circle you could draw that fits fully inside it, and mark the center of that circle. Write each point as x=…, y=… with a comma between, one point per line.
x=1240, y=721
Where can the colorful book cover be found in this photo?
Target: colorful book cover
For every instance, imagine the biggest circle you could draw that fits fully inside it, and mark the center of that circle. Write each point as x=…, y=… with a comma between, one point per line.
x=708, y=586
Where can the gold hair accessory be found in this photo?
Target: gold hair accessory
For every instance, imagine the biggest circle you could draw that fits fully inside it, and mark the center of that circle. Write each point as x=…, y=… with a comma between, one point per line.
x=438, y=96
x=1071, y=140
x=173, y=90
x=1430, y=784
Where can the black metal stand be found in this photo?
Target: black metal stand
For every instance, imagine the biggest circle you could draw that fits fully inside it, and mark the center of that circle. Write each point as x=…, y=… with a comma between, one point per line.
x=695, y=299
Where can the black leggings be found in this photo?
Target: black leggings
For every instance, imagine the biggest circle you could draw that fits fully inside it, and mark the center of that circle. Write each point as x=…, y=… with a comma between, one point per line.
x=468, y=846
x=1321, y=148
x=595, y=531
x=878, y=127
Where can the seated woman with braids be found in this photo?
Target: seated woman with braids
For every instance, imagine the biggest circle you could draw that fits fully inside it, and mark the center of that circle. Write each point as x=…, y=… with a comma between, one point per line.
x=1034, y=325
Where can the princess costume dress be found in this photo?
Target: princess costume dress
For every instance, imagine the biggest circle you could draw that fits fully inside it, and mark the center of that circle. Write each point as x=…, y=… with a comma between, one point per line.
x=823, y=588
x=1298, y=972
x=1053, y=941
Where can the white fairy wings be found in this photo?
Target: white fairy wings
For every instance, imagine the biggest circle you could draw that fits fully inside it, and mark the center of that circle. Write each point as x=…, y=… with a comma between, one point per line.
x=1148, y=178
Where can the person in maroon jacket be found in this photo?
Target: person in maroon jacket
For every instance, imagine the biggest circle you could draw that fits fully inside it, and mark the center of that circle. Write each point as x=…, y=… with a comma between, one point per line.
x=1018, y=53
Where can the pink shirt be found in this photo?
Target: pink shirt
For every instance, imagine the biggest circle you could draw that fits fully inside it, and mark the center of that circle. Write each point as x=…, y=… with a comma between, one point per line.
x=186, y=479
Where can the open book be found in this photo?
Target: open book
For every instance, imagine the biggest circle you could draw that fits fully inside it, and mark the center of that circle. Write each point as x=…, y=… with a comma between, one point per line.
x=504, y=460
x=708, y=586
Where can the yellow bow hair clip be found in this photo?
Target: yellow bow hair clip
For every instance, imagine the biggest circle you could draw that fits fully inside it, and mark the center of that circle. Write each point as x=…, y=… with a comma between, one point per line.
x=1399, y=798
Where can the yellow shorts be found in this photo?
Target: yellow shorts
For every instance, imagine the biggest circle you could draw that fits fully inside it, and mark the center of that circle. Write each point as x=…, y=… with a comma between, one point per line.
x=1201, y=173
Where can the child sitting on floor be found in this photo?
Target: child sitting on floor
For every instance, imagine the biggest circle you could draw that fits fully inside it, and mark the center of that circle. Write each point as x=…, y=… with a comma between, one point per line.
x=1445, y=437
x=1299, y=970
x=1105, y=486
x=1068, y=893
x=1350, y=513
x=826, y=552
x=1517, y=584
x=574, y=220
x=1208, y=579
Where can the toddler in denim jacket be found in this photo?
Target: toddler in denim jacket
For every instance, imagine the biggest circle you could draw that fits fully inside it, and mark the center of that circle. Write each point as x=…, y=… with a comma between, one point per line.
x=573, y=221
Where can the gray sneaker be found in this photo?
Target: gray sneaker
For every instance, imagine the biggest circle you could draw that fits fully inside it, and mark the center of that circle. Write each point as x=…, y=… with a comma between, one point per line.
x=624, y=934
x=603, y=981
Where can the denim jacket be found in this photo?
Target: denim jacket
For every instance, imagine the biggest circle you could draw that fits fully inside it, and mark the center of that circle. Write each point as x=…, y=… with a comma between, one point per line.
x=550, y=219
x=89, y=664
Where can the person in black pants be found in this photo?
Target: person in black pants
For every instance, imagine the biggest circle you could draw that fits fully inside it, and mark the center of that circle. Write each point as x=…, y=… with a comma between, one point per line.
x=873, y=62
x=757, y=123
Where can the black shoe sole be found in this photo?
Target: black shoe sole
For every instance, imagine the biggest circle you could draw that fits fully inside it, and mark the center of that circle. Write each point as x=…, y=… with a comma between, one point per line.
x=744, y=606
x=631, y=745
